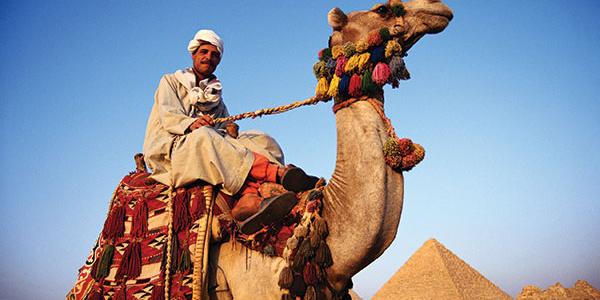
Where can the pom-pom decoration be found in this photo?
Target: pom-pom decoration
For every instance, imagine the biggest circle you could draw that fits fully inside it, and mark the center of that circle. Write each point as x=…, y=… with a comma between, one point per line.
x=374, y=39
x=322, y=87
x=378, y=54
x=319, y=69
x=363, y=61
x=349, y=49
x=381, y=73
x=334, y=86
x=336, y=51
x=352, y=64
x=392, y=48
x=355, y=86
x=362, y=46
x=340, y=66
x=324, y=54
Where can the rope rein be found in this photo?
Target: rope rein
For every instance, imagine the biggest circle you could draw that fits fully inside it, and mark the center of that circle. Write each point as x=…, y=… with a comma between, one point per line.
x=274, y=110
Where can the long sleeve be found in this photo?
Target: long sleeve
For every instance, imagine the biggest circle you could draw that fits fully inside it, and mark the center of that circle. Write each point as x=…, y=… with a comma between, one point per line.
x=172, y=114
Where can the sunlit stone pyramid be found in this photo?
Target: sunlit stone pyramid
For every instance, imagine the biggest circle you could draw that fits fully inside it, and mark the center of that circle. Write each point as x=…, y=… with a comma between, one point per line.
x=580, y=291
x=433, y=272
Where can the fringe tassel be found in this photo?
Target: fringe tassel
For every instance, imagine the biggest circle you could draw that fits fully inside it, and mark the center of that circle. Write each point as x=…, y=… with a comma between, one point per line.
x=363, y=61
x=330, y=64
x=320, y=226
x=323, y=256
x=355, y=86
x=101, y=268
x=311, y=293
x=120, y=294
x=96, y=294
x=377, y=55
x=298, y=287
x=381, y=73
x=198, y=203
x=322, y=87
x=131, y=265
x=392, y=48
x=305, y=249
x=139, y=228
x=343, y=87
x=314, y=238
x=287, y=296
x=181, y=213
x=286, y=278
x=185, y=261
x=310, y=274
x=158, y=292
x=368, y=87
x=114, y=226
x=334, y=86
x=352, y=64
x=298, y=263
x=340, y=66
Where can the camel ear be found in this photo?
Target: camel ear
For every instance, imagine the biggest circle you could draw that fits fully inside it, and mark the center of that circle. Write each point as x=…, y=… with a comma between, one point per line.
x=337, y=19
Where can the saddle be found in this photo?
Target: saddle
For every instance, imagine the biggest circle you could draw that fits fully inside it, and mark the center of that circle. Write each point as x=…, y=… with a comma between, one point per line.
x=134, y=254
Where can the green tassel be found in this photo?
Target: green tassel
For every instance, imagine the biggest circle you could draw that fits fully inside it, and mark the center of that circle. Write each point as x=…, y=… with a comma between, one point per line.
x=286, y=278
x=368, y=87
x=323, y=256
x=385, y=34
x=185, y=261
x=105, y=262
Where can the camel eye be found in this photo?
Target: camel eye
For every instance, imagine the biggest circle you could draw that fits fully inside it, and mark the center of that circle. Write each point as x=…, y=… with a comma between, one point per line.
x=382, y=10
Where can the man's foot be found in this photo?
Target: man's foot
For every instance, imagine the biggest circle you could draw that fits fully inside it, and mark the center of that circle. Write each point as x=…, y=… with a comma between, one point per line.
x=271, y=209
x=296, y=180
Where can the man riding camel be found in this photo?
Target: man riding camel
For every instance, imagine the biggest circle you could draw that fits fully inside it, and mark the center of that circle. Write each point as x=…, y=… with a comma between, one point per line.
x=183, y=144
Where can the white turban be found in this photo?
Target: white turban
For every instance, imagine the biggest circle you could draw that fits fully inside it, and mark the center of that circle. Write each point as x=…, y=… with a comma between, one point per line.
x=207, y=36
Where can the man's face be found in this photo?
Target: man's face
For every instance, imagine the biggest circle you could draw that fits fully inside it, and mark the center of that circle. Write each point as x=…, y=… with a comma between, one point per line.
x=206, y=59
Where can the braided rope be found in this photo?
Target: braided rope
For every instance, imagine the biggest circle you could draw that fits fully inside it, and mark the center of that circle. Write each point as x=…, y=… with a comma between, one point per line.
x=274, y=110
x=169, y=242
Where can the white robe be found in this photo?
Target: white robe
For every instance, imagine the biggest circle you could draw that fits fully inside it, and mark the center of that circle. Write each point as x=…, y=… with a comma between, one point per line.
x=178, y=158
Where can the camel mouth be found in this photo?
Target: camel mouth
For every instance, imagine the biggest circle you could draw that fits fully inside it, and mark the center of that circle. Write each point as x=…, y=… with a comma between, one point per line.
x=410, y=41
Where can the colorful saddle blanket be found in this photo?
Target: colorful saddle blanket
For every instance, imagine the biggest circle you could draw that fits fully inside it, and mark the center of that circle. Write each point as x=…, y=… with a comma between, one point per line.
x=129, y=259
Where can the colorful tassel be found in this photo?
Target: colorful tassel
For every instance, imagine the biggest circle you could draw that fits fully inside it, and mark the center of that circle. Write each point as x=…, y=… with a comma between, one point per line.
x=322, y=87
x=131, y=263
x=311, y=293
x=374, y=39
x=398, y=68
x=305, y=249
x=398, y=10
x=343, y=86
x=330, y=64
x=298, y=263
x=411, y=160
x=362, y=46
x=334, y=86
x=320, y=226
x=392, y=48
x=300, y=231
x=298, y=287
x=340, y=66
x=363, y=61
x=368, y=87
x=185, y=260
x=286, y=296
x=158, y=292
x=385, y=34
x=324, y=54
x=349, y=49
x=355, y=85
x=352, y=64
x=319, y=69
x=323, y=256
x=377, y=55
x=310, y=274
x=314, y=238
x=336, y=51
x=286, y=278
x=114, y=226
x=101, y=267
x=181, y=213
x=97, y=293
x=139, y=228
x=120, y=294
x=381, y=73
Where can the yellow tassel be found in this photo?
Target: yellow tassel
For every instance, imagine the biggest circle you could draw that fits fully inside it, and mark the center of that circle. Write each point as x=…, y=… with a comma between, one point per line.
x=363, y=60
x=336, y=51
x=334, y=86
x=351, y=64
x=362, y=46
x=392, y=47
x=322, y=87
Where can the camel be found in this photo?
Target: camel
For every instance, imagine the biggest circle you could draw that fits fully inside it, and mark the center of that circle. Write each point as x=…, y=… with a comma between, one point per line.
x=363, y=199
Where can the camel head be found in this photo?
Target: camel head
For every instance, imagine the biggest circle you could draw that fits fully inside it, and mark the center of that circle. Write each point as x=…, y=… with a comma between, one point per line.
x=411, y=19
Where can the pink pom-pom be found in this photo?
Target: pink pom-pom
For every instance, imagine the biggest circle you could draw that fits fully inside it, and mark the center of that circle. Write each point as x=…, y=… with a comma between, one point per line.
x=381, y=73
x=355, y=84
x=340, y=66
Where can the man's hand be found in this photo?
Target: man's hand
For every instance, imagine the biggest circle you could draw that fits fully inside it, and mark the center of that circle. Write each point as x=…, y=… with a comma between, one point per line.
x=203, y=120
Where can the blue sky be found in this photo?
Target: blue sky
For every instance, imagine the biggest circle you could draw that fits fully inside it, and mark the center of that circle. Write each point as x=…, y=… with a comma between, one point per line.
x=505, y=101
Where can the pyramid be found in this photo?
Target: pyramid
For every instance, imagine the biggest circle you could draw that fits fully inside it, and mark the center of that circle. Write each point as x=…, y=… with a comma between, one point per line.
x=433, y=272
x=580, y=291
